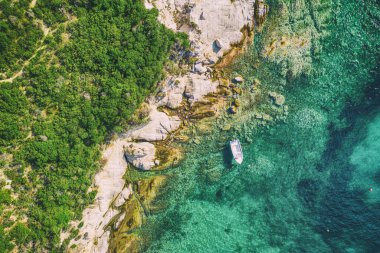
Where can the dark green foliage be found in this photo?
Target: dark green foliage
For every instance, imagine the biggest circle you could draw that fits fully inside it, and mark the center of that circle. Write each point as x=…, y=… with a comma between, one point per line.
x=13, y=108
x=19, y=36
x=20, y=233
x=71, y=96
x=5, y=244
x=50, y=11
x=5, y=197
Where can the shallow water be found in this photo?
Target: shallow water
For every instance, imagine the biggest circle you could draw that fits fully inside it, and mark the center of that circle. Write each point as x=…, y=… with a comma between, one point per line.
x=309, y=183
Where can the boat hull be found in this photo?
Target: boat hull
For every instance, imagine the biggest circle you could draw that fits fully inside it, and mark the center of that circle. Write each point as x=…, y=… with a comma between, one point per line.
x=237, y=151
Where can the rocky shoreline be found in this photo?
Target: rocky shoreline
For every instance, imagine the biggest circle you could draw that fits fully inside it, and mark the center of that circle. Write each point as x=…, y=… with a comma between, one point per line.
x=213, y=29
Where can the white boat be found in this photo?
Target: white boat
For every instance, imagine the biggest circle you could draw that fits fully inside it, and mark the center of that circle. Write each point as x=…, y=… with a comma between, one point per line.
x=237, y=151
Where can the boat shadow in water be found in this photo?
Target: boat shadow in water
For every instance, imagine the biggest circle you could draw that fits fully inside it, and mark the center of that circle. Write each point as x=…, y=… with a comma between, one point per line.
x=227, y=156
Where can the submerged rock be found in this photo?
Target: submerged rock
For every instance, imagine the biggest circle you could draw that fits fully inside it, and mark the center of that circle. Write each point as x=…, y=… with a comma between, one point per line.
x=233, y=110
x=141, y=154
x=238, y=79
x=226, y=127
x=267, y=117
x=261, y=11
x=255, y=83
x=203, y=111
x=237, y=90
x=278, y=99
x=182, y=138
x=43, y=137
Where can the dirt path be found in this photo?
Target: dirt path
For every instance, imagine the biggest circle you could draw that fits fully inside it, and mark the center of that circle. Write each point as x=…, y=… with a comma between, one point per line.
x=46, y=31
x=21, y=71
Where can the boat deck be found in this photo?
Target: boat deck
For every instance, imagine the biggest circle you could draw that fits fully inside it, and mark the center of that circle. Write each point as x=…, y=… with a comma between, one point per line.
x=237, y=151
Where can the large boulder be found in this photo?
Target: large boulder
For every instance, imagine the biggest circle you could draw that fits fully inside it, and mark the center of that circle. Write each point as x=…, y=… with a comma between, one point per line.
x=174, y=100
x=140, y=154
x=238, y=79
x=199, y=86
x=158, y=127
x=199, y=68
x=172, y=93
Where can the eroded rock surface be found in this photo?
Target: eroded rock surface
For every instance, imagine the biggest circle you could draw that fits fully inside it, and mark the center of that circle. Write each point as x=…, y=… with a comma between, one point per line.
x=141, y=154
x=172, y=92
x=158, y=127
x=109, y=183
x=192, y=86
x=199, y=86
x=217, y=24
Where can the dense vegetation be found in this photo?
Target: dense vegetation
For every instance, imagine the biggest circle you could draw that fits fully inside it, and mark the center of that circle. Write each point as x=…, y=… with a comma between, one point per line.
x=19, y=35
x=90, y=72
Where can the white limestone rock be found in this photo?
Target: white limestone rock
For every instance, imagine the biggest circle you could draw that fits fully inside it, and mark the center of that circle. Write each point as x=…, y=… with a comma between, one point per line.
x=215, y=20
x=222, y=26
x=43, y=137
x=122, y=197
x=171, y=94
x=174, y=100
x=109, y=183
x=198, y=87
x=158, y=127
x=238, y=79
x=140, y=154
x=199, y=68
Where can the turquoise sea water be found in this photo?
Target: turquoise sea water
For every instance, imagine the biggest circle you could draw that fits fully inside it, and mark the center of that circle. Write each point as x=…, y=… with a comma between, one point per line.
x=309, y=183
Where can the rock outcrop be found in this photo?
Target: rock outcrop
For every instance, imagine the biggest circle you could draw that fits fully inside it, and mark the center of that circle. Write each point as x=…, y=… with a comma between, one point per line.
x=199, y=68
x=219, y=43
x=217, y=24
x=43, y=137
x=158, y=127
x=109, y=183
x=193, y=86
x=122, y=197
x=221, y=28
x=171, y=93
x=199, y=86
x=141, y=154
